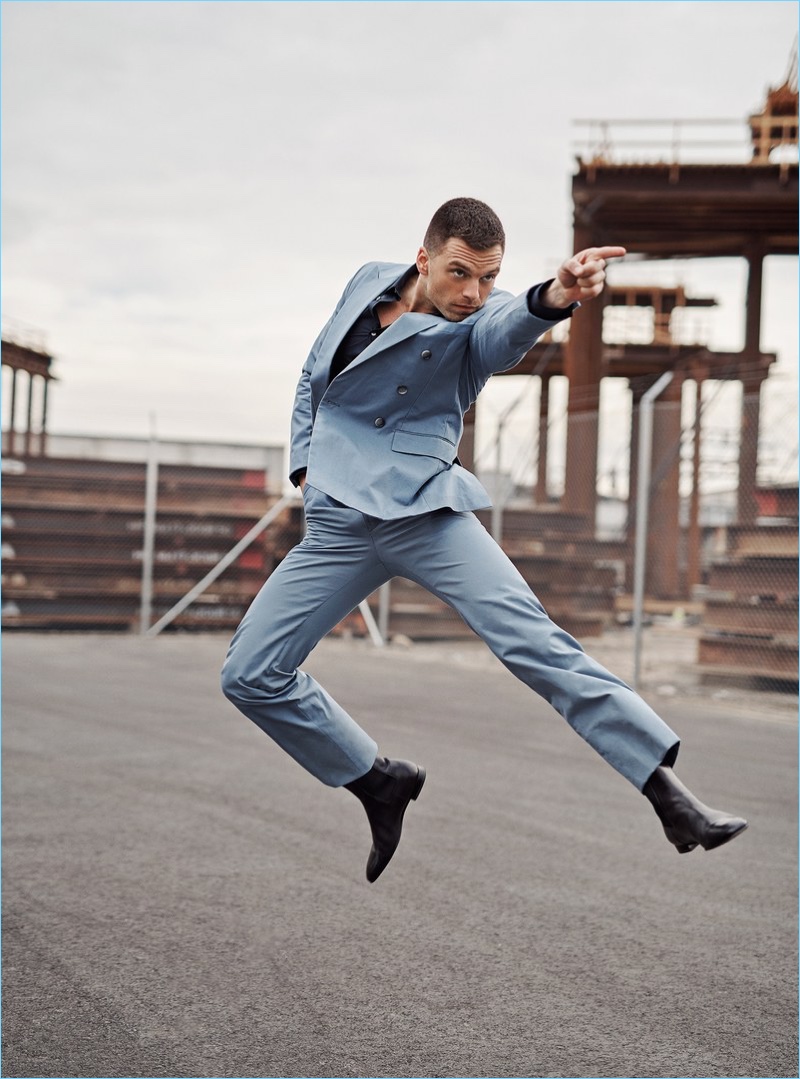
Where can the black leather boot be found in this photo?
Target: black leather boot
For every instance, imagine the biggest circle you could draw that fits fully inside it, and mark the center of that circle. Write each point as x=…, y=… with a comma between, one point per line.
x=687, y=822
x=385, y=792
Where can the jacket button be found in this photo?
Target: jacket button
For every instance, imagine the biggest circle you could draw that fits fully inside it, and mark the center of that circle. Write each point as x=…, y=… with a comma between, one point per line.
x=380, y=422
x=426, y=355
x=402, y=390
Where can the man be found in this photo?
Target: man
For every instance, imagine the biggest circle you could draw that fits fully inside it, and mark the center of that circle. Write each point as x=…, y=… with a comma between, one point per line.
x=377, y=420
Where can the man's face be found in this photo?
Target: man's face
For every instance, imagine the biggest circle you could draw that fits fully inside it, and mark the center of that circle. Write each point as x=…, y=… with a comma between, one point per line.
x=457, y=279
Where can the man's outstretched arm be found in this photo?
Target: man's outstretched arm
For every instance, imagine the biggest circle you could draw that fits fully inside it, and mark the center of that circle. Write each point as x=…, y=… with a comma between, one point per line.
x=502, y=337
x=580, y=277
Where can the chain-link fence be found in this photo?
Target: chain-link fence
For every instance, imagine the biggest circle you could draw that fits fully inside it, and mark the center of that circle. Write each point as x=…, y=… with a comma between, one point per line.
x=113, y=535
x=719, y=598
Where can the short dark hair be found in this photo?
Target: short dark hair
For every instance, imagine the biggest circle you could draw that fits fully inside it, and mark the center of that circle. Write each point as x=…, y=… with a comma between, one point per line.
x=465, y=219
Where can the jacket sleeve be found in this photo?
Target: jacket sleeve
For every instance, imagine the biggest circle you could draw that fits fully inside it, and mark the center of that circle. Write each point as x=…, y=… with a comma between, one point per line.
x=510, y=327
x=303, y=410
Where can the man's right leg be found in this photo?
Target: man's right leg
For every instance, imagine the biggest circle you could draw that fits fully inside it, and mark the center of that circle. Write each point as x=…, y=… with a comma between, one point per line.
x=317, y=585
x=314, y=588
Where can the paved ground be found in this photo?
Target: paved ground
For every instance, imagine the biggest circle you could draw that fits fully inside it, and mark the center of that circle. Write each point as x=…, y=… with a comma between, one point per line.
x=182, y=900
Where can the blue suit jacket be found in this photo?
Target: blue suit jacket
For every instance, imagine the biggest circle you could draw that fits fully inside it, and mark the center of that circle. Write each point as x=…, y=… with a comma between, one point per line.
x=382, y=437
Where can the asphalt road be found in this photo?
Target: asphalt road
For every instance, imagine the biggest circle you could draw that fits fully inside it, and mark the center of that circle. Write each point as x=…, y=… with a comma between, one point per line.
x=181, y=899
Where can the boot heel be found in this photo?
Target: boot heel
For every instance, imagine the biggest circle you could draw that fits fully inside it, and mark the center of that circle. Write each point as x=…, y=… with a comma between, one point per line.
x=681, y=843
x=420, y=783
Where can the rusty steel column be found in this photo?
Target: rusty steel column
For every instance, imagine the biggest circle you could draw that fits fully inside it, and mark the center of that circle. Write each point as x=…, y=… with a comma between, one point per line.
x=43, y=436
x=540, y=494
x=747, y=504
x=466, y=447
x=663, y=541
x=583, y=356
x=637, y=386
x=29, y=417
x=693, y=537
x=12, y=422
x=747, y=508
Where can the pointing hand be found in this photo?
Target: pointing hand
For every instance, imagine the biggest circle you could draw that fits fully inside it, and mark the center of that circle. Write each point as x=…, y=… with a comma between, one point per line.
x=581, y=277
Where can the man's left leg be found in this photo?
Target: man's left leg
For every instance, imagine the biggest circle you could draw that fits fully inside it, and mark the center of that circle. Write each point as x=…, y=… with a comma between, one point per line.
x=454, y=557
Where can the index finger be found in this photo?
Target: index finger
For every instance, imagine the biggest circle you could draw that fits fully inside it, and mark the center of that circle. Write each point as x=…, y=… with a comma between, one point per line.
x=602, y=253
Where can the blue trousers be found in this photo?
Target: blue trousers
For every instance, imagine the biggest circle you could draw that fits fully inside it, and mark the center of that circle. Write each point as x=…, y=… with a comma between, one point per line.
x=343, y=558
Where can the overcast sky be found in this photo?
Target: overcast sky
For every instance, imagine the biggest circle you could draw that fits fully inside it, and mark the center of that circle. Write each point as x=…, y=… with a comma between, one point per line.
x=188, y=186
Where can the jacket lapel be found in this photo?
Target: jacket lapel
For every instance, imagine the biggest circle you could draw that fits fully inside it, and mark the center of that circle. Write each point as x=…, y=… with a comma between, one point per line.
x=405, y=326
x=363, y=293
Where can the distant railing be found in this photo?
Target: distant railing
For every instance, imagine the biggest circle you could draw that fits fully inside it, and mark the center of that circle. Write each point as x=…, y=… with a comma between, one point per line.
x=676, y=141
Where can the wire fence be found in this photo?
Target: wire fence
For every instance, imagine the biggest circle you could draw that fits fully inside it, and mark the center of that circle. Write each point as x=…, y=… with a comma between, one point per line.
x=722, y=593
x=88, y=543
x=92, y=541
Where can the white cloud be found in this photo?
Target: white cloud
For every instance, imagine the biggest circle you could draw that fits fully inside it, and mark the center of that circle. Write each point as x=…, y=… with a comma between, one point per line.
x=187, y=186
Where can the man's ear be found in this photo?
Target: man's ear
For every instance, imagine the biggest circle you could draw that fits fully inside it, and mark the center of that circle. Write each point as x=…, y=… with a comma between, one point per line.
x=423, y=262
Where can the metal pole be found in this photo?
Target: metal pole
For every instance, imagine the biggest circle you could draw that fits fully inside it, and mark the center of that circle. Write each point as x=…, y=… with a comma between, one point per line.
x=371, y=624
x=497, y=498
x=221, y=566
x=642, y=507
x=149, y=532
x=384, y=609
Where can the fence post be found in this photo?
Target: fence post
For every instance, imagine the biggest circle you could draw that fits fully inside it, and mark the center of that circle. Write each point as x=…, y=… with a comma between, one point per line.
x=149, y=534
x=372, y=626
x=384, y=609
x=498, y=501
x=642, y=507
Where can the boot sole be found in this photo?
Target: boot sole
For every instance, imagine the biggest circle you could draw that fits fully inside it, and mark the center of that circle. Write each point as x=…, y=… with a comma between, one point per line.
x=726, y=838
x=685, y=848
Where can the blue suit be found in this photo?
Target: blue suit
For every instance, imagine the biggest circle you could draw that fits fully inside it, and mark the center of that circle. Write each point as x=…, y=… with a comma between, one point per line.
x=386, y=497
x=399, y=408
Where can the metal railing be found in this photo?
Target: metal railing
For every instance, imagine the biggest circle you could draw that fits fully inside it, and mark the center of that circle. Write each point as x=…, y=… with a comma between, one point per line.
x=672, y=141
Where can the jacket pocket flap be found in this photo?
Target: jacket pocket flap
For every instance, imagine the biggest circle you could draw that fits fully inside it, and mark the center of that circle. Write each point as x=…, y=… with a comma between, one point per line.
x=424, y=445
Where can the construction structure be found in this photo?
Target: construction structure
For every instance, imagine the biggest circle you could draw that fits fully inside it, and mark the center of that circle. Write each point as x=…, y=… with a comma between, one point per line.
x=673, y=209
x=28, y=361
x=668, y=208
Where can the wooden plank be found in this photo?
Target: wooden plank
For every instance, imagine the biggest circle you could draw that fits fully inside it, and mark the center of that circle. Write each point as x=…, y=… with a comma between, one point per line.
x=537, y=521
x=57, y=469
x=777, y=577
x=770, y=659
x=98, y=500
x=764, y=619
x=112, y=521
x=779, y=541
